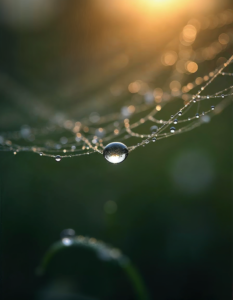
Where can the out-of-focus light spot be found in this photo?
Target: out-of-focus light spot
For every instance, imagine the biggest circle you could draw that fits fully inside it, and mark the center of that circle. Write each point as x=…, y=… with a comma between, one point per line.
x=149, y=97
x=110, y=207
x=100, y=132
x=169, y=58
x=199, y=80
x=85, y=129
x=116, y=131
x=94, y=117
x=190, y=86
x=126, y=111
x=158, y=107
x=76, y=128
x=63, y=140
x=68, y=124
x=188, y=35
x=131, y=109
x=158, y=93
x=135, y=86
x=67, y=241
x=223, y=39
x=191, y=66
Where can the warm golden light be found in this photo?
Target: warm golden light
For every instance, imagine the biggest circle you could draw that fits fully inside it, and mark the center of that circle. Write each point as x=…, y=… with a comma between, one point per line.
x=191, y=67
x=169, y=58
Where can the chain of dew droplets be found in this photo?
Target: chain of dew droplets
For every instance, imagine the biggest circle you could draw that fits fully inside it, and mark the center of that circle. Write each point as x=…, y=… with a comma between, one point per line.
x=116, y=126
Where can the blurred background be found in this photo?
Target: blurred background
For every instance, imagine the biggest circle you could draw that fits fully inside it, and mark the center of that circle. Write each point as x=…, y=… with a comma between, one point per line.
x=168, y=206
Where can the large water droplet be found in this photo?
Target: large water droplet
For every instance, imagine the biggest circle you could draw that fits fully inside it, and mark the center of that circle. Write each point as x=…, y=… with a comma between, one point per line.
x=175, y=121
x=115, y=152
x=58, y=158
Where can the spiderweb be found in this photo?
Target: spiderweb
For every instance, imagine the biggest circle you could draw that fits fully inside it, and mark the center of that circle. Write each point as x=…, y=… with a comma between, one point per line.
x=144, y=118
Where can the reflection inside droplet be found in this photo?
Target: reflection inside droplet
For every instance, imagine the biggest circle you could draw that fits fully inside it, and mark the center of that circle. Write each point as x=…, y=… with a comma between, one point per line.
x=67, y=241
x=115, y=152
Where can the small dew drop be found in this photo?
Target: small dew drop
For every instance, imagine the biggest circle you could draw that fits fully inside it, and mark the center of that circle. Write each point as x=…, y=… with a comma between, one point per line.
x=223, y=96
x=154, y=139
x=172, y=129
x=179, y=113
x=154, y=128
x=58, y=158
x=208, y=97
x=15, y=153
x=41, y=154
x=197, y=116
x=194, y=100
x=147, y=141
x=175, y=121
x=212, y=107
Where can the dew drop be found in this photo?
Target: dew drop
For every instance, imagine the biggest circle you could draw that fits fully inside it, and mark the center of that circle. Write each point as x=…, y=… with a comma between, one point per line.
x=115, y=152
x=197, y=116
x=58, y=158
x=154, y=128
x=154, y=139
x=194, y=100
x=15, y=153
x=175, y=121
x=223, y=96
x=147, y=141
x=41, y=153
x=212, y=107
x=208, y=97
x=179, y=113
x=172, y=129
